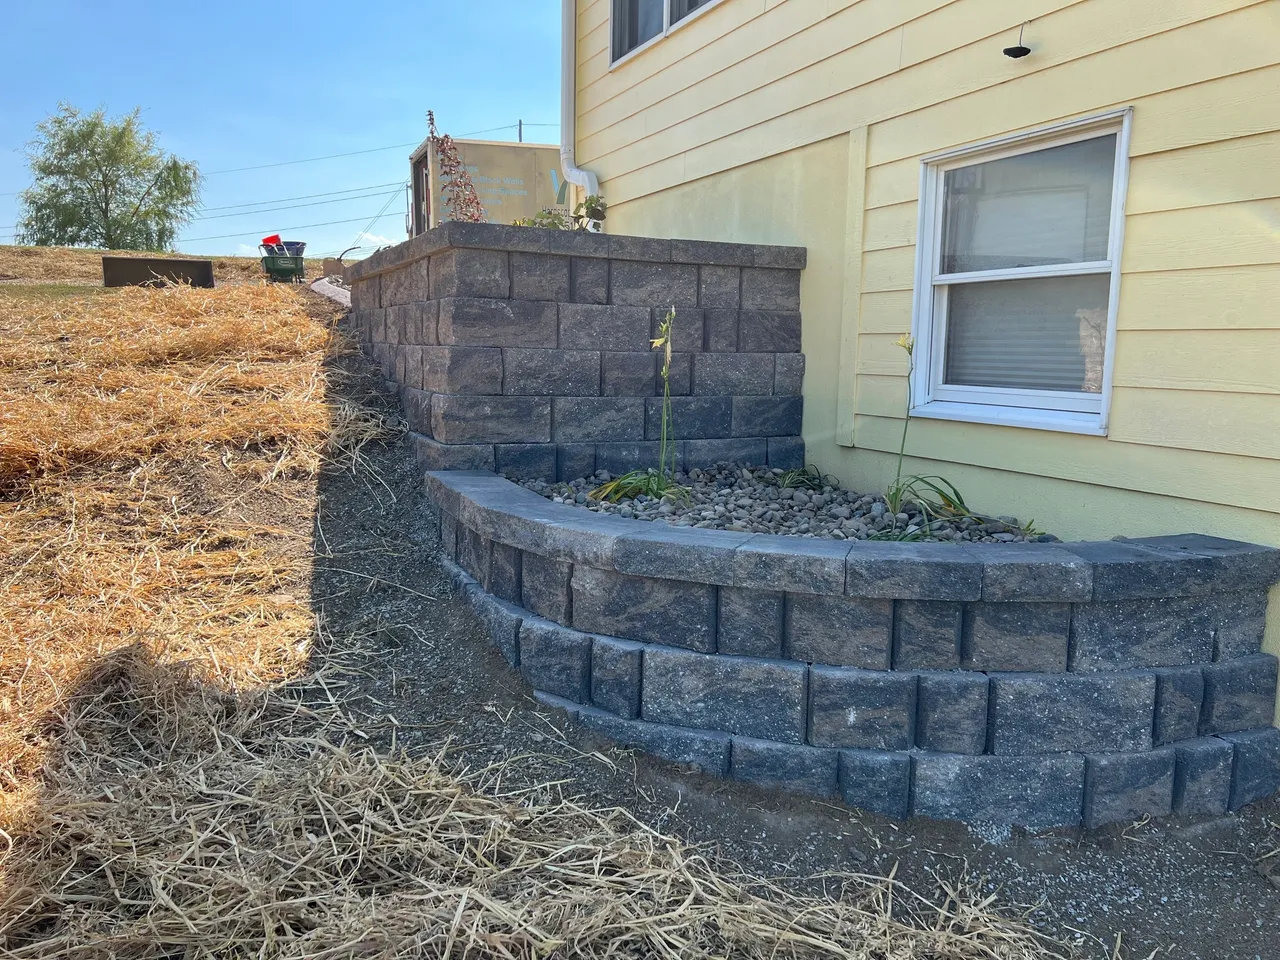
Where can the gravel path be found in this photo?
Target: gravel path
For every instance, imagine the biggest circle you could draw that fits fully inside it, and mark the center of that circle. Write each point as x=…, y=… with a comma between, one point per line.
x=761, y=500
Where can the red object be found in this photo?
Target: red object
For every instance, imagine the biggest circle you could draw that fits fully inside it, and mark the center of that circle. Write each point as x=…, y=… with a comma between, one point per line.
x=271, y=241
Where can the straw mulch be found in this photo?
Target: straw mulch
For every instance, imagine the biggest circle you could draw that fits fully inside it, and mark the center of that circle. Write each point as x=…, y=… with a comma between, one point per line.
x=80, y=266
x=178, y=777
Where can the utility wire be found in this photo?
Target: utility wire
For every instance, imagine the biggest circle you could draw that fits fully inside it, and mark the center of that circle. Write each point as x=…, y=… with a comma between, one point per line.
x=293, y=206
x=380, y=214
x=299, y=226
x=308, y=196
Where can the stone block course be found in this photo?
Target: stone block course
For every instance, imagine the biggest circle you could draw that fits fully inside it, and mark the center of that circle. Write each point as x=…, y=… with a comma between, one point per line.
x=592, y=327
x=465, y=273
x=951, y=712
x=644, y=608
x=1179, y=695
x=1078, y=713
x=706, y=453
x=764, y=699
x=679, y=554
x=768, y=331
x=474, y=554
x=619, y=457
x=705, y=750
x=628, y=374
x=545, y=373
x=525, y=461
x=749, y=622
x=692, y=418
x=786, y=453
x=497, y=323
x=733, y=374
x=417, y=409
x=719, y=287
x=574, y=460
x=466, y=419
x=584, y=419
x=589, y=279
x=1035, y=572
x=1016, y=637
x=651, y=284
x=1239, y=694
x=861, y=709
x=926, y=634
x=788, y=374
x=767, y=416
x=544, y=586
x=615, y=675
x=1255, y=773
x=1036, y=793
x=1157, y=632
x=720, y=330
x=475, y=371
x=770, y=289
x=503, y=580
x=1202, y=776
x=1124, y=787
x=790, y=767
x=686, y=329
x=912, y=571
x=537, y=276
x=556, y=660
x=838, y=631
x=878, y=781
x=1239, y=621
x=431, y=454
x=405, y=286
x=365, y=294
x=792, y=564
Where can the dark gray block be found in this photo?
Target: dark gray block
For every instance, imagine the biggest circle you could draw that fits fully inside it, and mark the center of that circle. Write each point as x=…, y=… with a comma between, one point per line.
x=861, y=709
x=1202, y=777
x=1255, y=774
x=876, y=781
x=470, y=273
x=768, y=331
x=539, y=277
x=575, y=460
x=1239, y=694
x=739, y=695
x=620, y=458
x=651, y=249
x=733, y=374
x=466, y=419
x=1239, y=621
x=793, y=564
x=547, y=373
x=706, y=453
x=653, y=284
x=503, y=580
x=556, y=660
x=686, y=328
x=839, y=631
x=581, y=419
x=719, y=286
x=1036, y=793
x=770, y=289
x=497, y=323
x=544, y=587
x=788, y=374
x=574, y=710
x=796, y=769
x=364, y=295
x=680, y=375
x=951, y=715
x=411, y=282
x=1035, y=572
x=678, y=553
x=449, y=535
x=749, y=623
x=474, y=552
x=707, y=750
x=1179, y=694
x=913, y=571
x=1185, y=565
x=1157, y=632
x=1016, y=636
x=526, y=461
x=587, y=327
x=615, y=675
x=1079, y=713
x=628, y=374
x=502, y=622
x=720, y=330
x=767, y=416
x=926, y=634
x=643, y=608
x=1124, y=787
x=786, y=453
x=590, y=280
x=417, y=409
x=692, y=418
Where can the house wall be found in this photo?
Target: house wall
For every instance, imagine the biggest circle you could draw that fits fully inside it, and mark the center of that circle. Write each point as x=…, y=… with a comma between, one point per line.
x=803, y=121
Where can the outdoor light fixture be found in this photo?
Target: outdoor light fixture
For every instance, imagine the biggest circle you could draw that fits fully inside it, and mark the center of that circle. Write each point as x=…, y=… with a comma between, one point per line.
x=1019, y=51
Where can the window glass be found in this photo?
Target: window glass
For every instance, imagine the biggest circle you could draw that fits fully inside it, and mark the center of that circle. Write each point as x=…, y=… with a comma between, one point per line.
x=1052, y=206
x=635, y=22
x=682, y=8
x=1040, y=334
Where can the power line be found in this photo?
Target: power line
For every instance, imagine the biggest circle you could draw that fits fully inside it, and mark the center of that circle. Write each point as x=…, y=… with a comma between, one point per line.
x=308, y=196
x=300, y=226
x=294, y=206
x=380, y=214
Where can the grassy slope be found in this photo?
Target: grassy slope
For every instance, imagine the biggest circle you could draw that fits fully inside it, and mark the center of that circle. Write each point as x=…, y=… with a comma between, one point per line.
x=74, y=265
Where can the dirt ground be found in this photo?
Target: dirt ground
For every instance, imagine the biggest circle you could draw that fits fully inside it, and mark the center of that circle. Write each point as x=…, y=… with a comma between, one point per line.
x=1177, y=889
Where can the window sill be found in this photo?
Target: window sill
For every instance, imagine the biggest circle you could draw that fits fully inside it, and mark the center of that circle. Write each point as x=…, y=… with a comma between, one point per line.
x=1061, y=421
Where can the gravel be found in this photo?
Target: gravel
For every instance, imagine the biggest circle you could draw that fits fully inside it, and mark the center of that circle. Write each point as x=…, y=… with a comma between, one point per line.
x=759, y=500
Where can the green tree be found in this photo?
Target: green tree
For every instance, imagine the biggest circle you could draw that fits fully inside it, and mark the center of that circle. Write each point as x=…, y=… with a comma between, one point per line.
x=103, y=182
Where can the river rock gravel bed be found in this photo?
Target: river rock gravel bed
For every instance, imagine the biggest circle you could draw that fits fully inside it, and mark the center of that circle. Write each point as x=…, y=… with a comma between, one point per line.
x=755, y=500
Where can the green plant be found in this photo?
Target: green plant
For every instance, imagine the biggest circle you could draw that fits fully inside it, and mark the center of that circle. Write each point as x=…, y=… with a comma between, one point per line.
x=588, y=211
x=806, y=478
x=659, y=483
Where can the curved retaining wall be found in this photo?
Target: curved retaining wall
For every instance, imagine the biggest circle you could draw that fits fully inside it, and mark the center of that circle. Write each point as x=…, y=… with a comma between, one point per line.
x=1039, y=685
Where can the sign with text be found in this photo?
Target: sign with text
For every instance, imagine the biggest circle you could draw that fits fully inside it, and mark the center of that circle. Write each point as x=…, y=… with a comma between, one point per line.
x=512, y=180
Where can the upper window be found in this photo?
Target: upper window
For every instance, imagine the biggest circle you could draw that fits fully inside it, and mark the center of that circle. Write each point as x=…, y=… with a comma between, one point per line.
x=636, y=22
x=1018, y=275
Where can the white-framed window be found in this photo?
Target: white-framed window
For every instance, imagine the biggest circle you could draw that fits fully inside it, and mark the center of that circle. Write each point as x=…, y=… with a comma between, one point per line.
x=638, y=23
x=1018, y=277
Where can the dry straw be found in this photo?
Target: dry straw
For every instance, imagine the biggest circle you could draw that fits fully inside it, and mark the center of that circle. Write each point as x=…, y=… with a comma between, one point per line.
x=176, y=780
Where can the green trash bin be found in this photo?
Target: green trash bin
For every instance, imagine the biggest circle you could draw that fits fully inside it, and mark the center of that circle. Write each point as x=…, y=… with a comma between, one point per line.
x=283, y=263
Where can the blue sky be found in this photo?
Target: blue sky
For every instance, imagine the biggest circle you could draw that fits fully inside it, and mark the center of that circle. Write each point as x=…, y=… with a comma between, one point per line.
x=236, y=84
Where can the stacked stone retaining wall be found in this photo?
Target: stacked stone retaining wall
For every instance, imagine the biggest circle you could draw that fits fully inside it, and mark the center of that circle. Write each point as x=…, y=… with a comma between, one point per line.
x=1040, y=685
x=527, y=351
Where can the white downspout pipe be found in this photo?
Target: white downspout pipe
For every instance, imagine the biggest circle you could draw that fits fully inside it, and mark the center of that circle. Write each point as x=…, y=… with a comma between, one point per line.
x=568, y=100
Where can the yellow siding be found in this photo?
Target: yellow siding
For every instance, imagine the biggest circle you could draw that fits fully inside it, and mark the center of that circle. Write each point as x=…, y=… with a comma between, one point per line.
x=804, y=121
